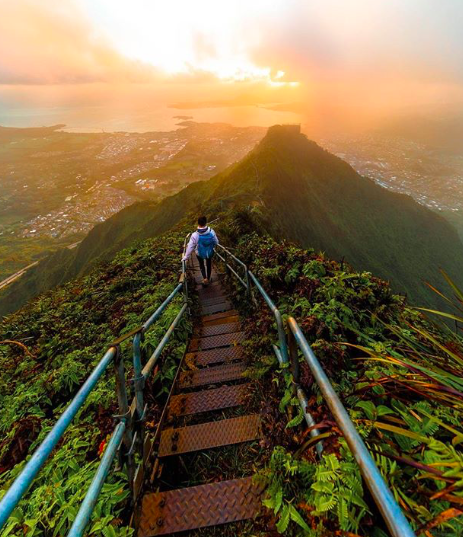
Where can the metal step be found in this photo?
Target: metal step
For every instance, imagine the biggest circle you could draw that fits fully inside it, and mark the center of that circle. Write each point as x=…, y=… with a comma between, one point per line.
x=211, y=375
x=214, y=356
x=216, y=308
x=212, y=342
x=198, y=507
x=219, y=318
x=207, y=400
x=213, y=300
x=216, y=330
x=175, y=441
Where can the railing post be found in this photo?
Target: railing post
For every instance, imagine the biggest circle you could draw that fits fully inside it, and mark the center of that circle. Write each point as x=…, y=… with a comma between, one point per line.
x=248, y=283
x=185, y=282
x=124, y=412
x=294, y=358
x=281, y=336
x=139, y=379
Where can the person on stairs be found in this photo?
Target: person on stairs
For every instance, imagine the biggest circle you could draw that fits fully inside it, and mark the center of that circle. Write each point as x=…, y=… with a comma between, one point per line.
x=203, y=241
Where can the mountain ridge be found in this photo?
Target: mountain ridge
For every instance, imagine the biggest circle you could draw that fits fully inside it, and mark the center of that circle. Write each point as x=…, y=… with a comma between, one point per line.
x=303, y=193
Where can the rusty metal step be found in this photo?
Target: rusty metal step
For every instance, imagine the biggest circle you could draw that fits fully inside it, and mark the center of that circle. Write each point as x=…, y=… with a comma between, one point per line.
x=201, y=506
x=214, y=356
x=216, y=330
x=207, y=400
x=212, y=301
x=220, y=340
x=175, y=441
x=211, y=375
x=220, y=318
x=216, y=308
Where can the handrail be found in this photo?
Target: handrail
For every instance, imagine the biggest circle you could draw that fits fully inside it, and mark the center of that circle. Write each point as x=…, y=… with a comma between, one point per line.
x=392, y=514
x=281, y=351
x=25, y=478
x=87, y=506
x=127, y=431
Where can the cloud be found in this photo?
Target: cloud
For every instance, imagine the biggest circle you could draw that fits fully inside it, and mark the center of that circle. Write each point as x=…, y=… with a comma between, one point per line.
x=418, y=40
x=52, y=42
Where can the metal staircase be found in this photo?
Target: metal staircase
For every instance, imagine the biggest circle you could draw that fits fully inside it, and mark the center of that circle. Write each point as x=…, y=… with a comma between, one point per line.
x=207, y=409
x=211, y=380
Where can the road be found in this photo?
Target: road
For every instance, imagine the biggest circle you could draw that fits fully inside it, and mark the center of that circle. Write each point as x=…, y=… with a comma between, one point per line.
x=20, y=272
x=16, y=275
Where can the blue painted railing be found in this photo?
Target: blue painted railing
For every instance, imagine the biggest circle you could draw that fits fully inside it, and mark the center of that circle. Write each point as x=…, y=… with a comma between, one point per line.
x=393, y=516
x=128, y=432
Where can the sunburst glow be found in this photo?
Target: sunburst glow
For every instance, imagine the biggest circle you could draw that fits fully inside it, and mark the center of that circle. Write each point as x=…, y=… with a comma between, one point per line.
x=181, y=37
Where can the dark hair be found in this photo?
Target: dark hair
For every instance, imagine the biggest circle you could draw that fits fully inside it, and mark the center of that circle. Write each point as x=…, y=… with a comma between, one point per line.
x=202, y=221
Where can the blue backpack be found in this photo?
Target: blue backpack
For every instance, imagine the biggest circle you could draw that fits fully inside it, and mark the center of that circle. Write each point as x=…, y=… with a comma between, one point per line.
x=206, y=244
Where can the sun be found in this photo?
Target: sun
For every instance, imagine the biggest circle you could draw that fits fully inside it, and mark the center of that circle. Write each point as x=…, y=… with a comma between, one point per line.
x=183, y=37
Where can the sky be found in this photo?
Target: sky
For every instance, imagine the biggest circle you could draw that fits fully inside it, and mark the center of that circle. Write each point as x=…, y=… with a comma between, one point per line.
x=312, y=55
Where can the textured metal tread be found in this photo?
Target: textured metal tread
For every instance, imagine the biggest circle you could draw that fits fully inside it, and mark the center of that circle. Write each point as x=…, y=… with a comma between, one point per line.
x=213, y=289
x=216, y=308
x=175, y=441
x=207, y=400
x=216, y=317
x=201, y=506
x=214, y=356
x=216, y=330
x=212, y=301
x=220, y=340
x=211, y=375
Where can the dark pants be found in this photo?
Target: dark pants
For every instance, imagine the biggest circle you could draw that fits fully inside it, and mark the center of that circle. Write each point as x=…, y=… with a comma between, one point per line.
x=205, y=266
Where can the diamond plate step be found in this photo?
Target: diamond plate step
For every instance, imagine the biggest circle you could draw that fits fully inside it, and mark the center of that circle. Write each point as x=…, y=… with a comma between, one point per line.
x=216, y=330
x=216, y=308
x=214, y=356
x=212, y=342
x=219, y=318
x=213, y=300
x=211, y=375
x=207, y=400
x=198, y=507
x=209, y=435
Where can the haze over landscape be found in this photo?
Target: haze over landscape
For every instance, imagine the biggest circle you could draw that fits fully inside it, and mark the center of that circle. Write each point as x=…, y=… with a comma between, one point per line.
x=325, y=141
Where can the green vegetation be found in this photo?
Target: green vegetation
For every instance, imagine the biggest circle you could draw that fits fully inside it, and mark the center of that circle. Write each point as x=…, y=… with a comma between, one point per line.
x=397, y=373
x=46, y=352
x=303, y=194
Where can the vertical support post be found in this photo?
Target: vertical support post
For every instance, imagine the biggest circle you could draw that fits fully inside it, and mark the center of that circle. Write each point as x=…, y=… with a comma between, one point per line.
x=248, y=283
x=294, y=358
x=139, y=379
x=281, y=336
x=185, y=283
x=124, y=412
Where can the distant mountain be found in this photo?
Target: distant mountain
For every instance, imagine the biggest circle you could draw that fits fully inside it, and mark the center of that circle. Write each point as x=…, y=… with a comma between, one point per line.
x=303, y=193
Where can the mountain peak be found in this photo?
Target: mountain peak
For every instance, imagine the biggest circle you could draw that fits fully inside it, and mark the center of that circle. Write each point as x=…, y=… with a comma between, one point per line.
x=283, y=130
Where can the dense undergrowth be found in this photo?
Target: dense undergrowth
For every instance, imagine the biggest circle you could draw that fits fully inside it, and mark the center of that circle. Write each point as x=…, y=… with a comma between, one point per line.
x=47, y=350
x=397, y=373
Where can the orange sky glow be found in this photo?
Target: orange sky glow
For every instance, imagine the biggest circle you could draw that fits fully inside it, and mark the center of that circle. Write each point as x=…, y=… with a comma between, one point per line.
x=317, y=57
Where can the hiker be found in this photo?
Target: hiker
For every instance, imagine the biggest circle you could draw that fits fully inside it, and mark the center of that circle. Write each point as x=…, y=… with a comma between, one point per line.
x=203, y=241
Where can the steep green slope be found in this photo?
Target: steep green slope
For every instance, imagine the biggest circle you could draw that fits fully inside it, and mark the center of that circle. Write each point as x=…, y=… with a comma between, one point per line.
x=46, y=352
x=303, y=193
x=398, y=376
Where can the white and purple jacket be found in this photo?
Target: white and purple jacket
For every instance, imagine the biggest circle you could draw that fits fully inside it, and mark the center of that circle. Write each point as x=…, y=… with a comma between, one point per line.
x=193, y=243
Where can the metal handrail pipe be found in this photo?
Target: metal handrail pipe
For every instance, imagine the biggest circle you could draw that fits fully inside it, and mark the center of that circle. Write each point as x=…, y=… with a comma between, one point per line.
x=87, y=506
x=233, y=256
x=278, y=318
x=393, y=516
x=161, y=308
x=231, y=269
x=304, y=403
x=25, y=478
x=157, y=353
x=262, y=291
